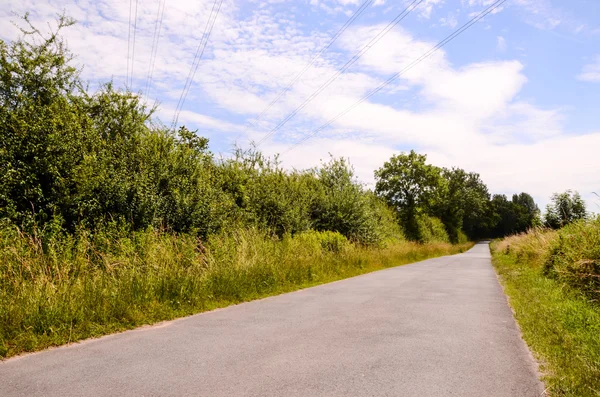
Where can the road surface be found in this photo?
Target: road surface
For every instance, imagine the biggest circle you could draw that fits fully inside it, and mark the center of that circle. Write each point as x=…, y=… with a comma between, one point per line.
x=441, y=327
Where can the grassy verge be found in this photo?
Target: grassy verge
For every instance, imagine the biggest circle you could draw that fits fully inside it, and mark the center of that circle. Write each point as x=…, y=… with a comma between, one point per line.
x=66, y=288
x=560, y=323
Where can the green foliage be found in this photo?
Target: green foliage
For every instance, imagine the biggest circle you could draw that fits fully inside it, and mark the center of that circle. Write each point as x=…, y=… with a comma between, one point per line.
x=343, y=205
x=327, y=241
x=575, y=257
x=559, y=323
x=42, y=124
x=266, y=195
x=431, y=230
x=463, y=203
x=511, y=217
x=565, y=208
x=58, y=287
x=410, y=186
x=462, y=238
x=458, y=198
x=81, y=160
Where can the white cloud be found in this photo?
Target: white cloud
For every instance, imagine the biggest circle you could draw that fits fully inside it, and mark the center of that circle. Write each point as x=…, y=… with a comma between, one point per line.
x=500, y=44
x=591, y=72
x=471, y=119
x=449, y=21
x=426, y=8
x=201, y=120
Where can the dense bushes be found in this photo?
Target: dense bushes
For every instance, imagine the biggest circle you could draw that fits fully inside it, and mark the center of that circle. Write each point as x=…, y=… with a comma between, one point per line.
x=570, y=255
x=565, y=208
x=79, y=160
x=575, y=257
x=431, y=229
x=552, y=279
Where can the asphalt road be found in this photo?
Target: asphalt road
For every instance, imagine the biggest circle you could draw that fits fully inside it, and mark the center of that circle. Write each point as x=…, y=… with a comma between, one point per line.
x=441, y=327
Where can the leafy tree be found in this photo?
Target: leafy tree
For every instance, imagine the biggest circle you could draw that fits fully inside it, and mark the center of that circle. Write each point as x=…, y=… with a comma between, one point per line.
x=565, y=208
x=528, y=212
x=343, y=205
x=512, y=216
x=463, y=203
x=43, y=125
x=410, y=186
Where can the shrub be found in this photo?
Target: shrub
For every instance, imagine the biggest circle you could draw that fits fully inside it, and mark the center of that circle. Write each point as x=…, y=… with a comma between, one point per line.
x=462, y=237
x=431, y=229
x=327, y=241
x=575, y=257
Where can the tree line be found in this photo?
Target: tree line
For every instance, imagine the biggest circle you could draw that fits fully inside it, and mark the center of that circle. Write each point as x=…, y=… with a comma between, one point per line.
x=71, y=158
x=424, y=194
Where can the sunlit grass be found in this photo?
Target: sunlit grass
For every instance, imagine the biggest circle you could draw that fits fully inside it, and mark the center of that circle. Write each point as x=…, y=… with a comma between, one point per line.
x=65, y=288
x=560, y=321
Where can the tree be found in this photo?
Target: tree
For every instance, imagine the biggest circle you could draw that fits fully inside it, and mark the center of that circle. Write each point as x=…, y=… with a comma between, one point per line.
x=43, y=125
x=463, y=203
x=565, y=208
x=410, y=186
x=528, y=213
x=512, y=216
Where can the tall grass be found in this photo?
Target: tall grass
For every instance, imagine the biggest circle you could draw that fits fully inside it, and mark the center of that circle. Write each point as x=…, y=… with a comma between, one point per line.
x=550, y=279
x=61, y=287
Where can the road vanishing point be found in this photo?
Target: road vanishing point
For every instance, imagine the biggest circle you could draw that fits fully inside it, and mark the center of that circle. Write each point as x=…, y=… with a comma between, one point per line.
x=440, y=327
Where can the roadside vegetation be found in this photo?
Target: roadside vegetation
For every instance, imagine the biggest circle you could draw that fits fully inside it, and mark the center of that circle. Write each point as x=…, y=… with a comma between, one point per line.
x=109, y=219
x=552, y=279
x=62, y=288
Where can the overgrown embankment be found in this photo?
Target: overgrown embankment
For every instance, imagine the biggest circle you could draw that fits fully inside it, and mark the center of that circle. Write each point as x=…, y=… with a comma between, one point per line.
x=553, y=281
x=69, y=287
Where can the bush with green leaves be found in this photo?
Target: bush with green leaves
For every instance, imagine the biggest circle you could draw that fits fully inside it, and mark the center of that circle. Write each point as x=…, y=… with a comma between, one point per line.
x=565, y=208
x=326, y=241
x=575, y=257
x=80, y=159
x=431, y=230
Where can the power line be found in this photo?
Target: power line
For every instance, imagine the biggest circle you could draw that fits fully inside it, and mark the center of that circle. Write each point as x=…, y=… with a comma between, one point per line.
x=427, y=54
x=354, y=16
x=355, y=58
x=157, y=27
x=196, y=62
x=128, y=43
x=133, y=45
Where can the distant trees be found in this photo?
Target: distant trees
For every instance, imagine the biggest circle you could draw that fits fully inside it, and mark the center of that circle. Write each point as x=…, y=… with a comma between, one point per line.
x=512, y=216
x=462, y=203
x=565, y=208
x=459, y=199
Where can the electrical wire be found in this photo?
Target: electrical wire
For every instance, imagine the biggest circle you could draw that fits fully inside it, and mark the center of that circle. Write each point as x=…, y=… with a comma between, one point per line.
x=427, y=54
x=355, y=58
x=354, y=16
x=196, y=62
x=155, y=39
x=133, y=45
x=128, y=43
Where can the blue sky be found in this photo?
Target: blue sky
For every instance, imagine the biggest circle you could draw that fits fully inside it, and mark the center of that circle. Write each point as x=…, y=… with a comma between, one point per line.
x=514, y=98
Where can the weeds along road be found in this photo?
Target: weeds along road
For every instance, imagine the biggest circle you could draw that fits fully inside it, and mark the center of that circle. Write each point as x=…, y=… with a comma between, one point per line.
x=435, y=328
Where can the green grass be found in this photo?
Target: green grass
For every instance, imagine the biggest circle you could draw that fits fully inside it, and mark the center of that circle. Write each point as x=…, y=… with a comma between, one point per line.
x=64, y=288
x=559, y=322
